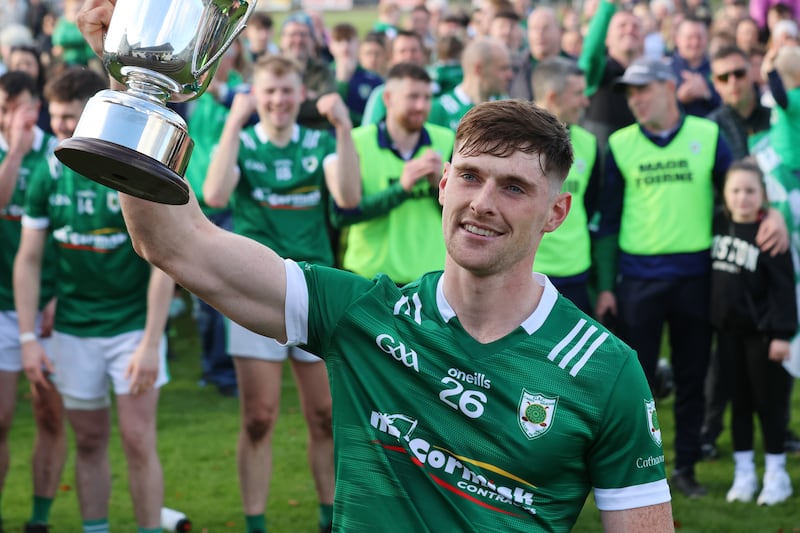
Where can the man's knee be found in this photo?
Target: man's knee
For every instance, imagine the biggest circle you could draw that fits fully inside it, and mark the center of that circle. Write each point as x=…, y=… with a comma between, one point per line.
x=258, y=424
x=320, y=423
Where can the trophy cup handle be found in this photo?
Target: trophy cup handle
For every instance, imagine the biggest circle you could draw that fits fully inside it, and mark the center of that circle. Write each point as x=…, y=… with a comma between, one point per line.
x=197, y=72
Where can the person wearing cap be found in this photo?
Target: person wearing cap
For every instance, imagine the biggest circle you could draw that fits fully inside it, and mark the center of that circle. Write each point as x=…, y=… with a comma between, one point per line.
x=655, y=224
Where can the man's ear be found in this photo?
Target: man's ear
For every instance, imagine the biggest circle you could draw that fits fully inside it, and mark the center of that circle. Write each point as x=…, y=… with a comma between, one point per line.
x=558, y=211
x=443, y=182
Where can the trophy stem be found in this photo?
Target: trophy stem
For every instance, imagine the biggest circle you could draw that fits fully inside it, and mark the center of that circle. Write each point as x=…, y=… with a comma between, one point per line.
x=148, y=84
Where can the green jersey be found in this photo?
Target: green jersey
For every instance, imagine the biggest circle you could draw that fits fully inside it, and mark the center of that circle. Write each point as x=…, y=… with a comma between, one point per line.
x=448, y=108
x=281, y=199
x=438, y=432
x=102, y=282
x=11, y=217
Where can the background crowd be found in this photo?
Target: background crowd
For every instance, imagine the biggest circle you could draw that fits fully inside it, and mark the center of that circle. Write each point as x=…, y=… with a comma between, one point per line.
x=327, y=144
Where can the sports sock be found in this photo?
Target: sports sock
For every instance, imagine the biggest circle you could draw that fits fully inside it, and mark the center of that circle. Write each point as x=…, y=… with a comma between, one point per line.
x=325, y=514
x=775, y=462
x=41, y=510
x=744, y=462
x=256, y=522
x=96, y=526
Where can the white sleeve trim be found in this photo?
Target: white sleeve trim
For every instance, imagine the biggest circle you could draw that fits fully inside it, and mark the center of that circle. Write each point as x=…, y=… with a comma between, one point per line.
x=632, y=497
x=35, y=223
x=296, y=308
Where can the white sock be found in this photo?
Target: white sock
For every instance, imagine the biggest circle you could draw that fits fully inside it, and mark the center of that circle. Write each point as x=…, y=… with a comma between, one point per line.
x=744, y=462
x=776, y=462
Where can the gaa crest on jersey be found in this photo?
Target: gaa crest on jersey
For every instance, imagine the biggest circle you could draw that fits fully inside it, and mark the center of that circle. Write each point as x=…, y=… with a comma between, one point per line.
x=654, y=428
x=535, y=413
x=112, y=201
x=310, y=163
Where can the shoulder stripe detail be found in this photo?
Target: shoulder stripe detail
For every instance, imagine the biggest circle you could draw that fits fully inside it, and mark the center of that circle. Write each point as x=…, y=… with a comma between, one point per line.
x=593, y=348
x=579, y=347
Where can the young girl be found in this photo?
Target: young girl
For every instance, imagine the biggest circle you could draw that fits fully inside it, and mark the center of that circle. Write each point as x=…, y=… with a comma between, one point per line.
x=754, y=313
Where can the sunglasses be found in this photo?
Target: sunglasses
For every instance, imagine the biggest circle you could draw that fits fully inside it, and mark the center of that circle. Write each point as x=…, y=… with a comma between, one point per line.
x=739, y=73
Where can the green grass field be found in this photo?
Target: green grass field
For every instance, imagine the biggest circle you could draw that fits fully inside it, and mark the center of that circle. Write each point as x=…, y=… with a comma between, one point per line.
x=197, y=437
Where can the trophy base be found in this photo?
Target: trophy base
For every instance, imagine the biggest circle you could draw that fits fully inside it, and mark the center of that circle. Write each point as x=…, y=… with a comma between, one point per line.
x=123, y=169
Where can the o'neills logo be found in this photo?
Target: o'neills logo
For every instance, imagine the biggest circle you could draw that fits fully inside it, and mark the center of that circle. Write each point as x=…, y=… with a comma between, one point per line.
x=454, y=472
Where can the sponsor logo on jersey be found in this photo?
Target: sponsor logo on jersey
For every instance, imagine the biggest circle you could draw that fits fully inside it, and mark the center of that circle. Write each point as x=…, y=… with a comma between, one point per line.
x=12, y=212
x=536, y=412
x=411, y=307
x=297, y=199
x=399, y=351
x=99, y=241
x=112, y=201
x=473, y=378
x=654, y=428
x=575, y=353
x=460, y=475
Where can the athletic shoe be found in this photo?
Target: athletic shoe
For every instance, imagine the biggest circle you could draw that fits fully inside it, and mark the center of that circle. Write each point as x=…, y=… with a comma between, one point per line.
x=684, y=481
x=777, y=488
x=744, y=488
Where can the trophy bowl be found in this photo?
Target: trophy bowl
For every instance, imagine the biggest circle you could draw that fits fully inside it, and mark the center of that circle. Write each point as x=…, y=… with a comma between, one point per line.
x=162, y=51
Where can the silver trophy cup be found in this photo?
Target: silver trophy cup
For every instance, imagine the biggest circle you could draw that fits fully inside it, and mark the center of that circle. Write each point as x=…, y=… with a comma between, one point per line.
x=162, y=51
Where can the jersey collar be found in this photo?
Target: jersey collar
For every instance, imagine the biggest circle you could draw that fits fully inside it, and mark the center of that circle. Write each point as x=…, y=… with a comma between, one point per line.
x=530, y=324
x=384, y=141
x=262, y=135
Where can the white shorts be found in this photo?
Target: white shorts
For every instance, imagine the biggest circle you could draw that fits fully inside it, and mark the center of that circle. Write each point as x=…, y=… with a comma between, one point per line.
x=85, y=365
x=244, y=343
x=10, y=353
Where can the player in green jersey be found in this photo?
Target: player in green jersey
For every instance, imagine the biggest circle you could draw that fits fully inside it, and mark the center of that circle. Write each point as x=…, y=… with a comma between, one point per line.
x=109, y=322
x=23, y=148
x=474, y=399
x=279, y=176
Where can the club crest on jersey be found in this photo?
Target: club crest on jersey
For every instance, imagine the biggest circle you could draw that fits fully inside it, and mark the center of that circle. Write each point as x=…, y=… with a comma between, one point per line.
x=535, y=413
x=652, y=421
x=310, y=163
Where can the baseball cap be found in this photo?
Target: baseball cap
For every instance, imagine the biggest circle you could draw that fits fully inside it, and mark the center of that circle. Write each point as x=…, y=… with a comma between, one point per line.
x=644, y=71
x=299, y=17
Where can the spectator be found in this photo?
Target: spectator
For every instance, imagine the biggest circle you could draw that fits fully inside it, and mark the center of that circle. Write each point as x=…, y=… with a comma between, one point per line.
x=613, y=42
x=69, y=46
x=401, y=161
x=564, y=255
x=544, y=41
x=663, y=260
x=372, y=55
x=388, y=19
x=278, y=177
x=354, y=83
x=747, y=37
x=446, y=72
x=754, y=314
x=27, y=59
x=298, y=42
x=258, y=35
x=406, y=47
x=487, y=70
x=692, y=68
